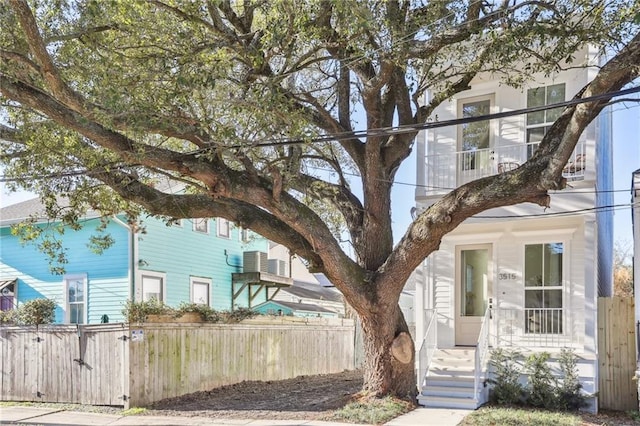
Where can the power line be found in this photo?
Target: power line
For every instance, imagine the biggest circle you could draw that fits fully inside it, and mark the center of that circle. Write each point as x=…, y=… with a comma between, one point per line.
x=410, y=128
x=563, y=213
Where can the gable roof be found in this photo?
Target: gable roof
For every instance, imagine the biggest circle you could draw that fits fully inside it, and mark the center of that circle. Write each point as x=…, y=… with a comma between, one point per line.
x=19, y=212
x=312, y=291
x=298, y=306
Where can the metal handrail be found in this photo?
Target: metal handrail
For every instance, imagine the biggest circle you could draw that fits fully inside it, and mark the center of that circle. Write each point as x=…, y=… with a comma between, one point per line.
x=482, y=350
x=428, y=346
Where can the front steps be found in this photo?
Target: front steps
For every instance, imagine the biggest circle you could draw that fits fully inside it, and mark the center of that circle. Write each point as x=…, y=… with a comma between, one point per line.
x=450, y=380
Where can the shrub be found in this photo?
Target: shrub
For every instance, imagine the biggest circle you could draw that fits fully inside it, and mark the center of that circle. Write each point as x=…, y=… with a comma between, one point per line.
x=506, y=385
x=206, y=312
x=138, y=311
x=568, y=392
x=8, y=317
x=238, y=314
x=36, y=312
x=541, y=386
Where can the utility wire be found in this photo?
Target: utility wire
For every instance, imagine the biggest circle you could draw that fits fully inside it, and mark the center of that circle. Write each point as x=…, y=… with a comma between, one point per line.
x=410, y=128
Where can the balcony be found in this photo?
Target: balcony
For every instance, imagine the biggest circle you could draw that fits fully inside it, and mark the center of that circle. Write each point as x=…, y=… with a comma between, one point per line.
x=445, y=172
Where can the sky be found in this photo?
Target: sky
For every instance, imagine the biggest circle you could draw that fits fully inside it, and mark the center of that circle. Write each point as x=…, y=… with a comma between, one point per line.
x=626, y=159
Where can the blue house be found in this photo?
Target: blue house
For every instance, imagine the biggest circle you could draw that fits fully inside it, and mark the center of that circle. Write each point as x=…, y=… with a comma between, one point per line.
x=192, y=260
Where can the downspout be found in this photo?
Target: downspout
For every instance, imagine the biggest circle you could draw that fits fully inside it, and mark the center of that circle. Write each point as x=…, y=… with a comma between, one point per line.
x=133, y=257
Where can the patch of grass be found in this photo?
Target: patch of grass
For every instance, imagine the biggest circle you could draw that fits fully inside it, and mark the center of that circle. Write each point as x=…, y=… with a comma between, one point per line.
x=489, y=416
x=134, y=411
x=371, y=410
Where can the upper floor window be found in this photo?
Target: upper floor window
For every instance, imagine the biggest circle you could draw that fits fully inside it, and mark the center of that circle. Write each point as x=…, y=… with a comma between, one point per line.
x=538, y=122
x=224, y=228
x=75, y=292
x=244, y=235
x=475, y=136
x=201, y=225
x=543, y=279
x=152, y=286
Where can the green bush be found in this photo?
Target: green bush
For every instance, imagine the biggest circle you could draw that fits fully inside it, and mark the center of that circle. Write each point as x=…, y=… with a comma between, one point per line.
x=36, y=312
x=507, y=389
x=138, y=311
x=8, y=317
x=238, y=314
x=542, y=384
x=206, y=312
x=568, y=392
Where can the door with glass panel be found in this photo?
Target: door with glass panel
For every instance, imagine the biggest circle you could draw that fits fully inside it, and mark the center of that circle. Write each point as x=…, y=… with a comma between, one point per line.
x=475, y=157
x=473, y=291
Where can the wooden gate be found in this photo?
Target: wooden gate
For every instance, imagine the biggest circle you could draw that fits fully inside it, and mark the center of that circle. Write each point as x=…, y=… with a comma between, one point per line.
x=616, y=354
x=82, y=364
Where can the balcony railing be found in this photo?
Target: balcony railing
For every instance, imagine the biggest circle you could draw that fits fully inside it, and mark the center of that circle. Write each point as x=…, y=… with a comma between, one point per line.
x=481, y=356
x=532, y=328
x=429, y=344
x=448, y=171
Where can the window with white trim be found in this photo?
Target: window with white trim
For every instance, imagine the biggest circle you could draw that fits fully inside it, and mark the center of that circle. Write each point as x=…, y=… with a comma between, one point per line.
x=244, y=235
x=152, y=285
x=539, y=122
x=75, y=288
x=224, y=228
x=475, y=137
x=543, y=288
x=201, y=225
x=200, y=290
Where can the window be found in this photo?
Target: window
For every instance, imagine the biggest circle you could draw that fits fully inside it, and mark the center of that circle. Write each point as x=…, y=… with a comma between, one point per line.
x=200, y=290
x=543, y=288
x=201, y=225
x=7, y=294
x=475, y=136
x=224, y=228
x=538, y=123
x=152, y=286
x=75, y=291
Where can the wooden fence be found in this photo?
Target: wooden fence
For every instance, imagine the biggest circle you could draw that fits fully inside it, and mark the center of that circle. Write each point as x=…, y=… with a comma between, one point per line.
x=617, y=354
x=118, y=364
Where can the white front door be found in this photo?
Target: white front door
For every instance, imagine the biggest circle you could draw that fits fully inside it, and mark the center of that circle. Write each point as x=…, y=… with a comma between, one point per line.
x=473, y=290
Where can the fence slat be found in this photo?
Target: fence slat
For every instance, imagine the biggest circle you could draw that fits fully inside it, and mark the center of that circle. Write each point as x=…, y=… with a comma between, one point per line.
x=617, y=356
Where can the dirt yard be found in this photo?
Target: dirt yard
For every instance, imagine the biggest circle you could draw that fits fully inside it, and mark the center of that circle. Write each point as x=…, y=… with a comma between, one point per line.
x=302, y=398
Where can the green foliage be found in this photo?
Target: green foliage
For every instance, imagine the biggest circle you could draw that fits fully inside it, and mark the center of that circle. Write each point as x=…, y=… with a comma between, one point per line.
x=502, y=416
x=137, y=312
x=541, y=383
x=207, y=313
x=36, y=312
x=568, y=393
x=8, y=317
x=372, y=410
x=238, y=314
x=134, y=311
x=507, y=389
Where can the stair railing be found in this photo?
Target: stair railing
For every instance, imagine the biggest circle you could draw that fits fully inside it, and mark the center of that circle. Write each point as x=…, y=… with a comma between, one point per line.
x=428, y=346
x=481, y=355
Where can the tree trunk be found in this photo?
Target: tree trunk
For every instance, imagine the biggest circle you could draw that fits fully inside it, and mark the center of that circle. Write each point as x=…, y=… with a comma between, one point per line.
x=389, y=354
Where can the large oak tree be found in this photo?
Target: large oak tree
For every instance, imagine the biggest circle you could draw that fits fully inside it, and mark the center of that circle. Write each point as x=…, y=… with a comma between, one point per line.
x=252, y=106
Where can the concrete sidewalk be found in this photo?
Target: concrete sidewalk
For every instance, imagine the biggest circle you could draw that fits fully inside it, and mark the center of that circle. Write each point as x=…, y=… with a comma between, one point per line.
x=47, y=416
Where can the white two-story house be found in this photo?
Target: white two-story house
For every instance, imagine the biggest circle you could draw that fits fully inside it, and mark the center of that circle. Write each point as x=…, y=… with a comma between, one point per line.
x=521, y=277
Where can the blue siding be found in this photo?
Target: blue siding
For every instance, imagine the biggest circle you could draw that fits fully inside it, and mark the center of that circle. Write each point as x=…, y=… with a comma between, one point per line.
x=181, y=253
x=107, y=274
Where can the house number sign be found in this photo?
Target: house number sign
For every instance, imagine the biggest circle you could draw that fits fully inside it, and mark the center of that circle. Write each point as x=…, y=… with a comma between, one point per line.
x=506, y=276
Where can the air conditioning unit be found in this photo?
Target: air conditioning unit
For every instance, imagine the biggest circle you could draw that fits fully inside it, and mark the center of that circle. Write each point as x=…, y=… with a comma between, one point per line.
x=255, y=261
x=278, y=267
